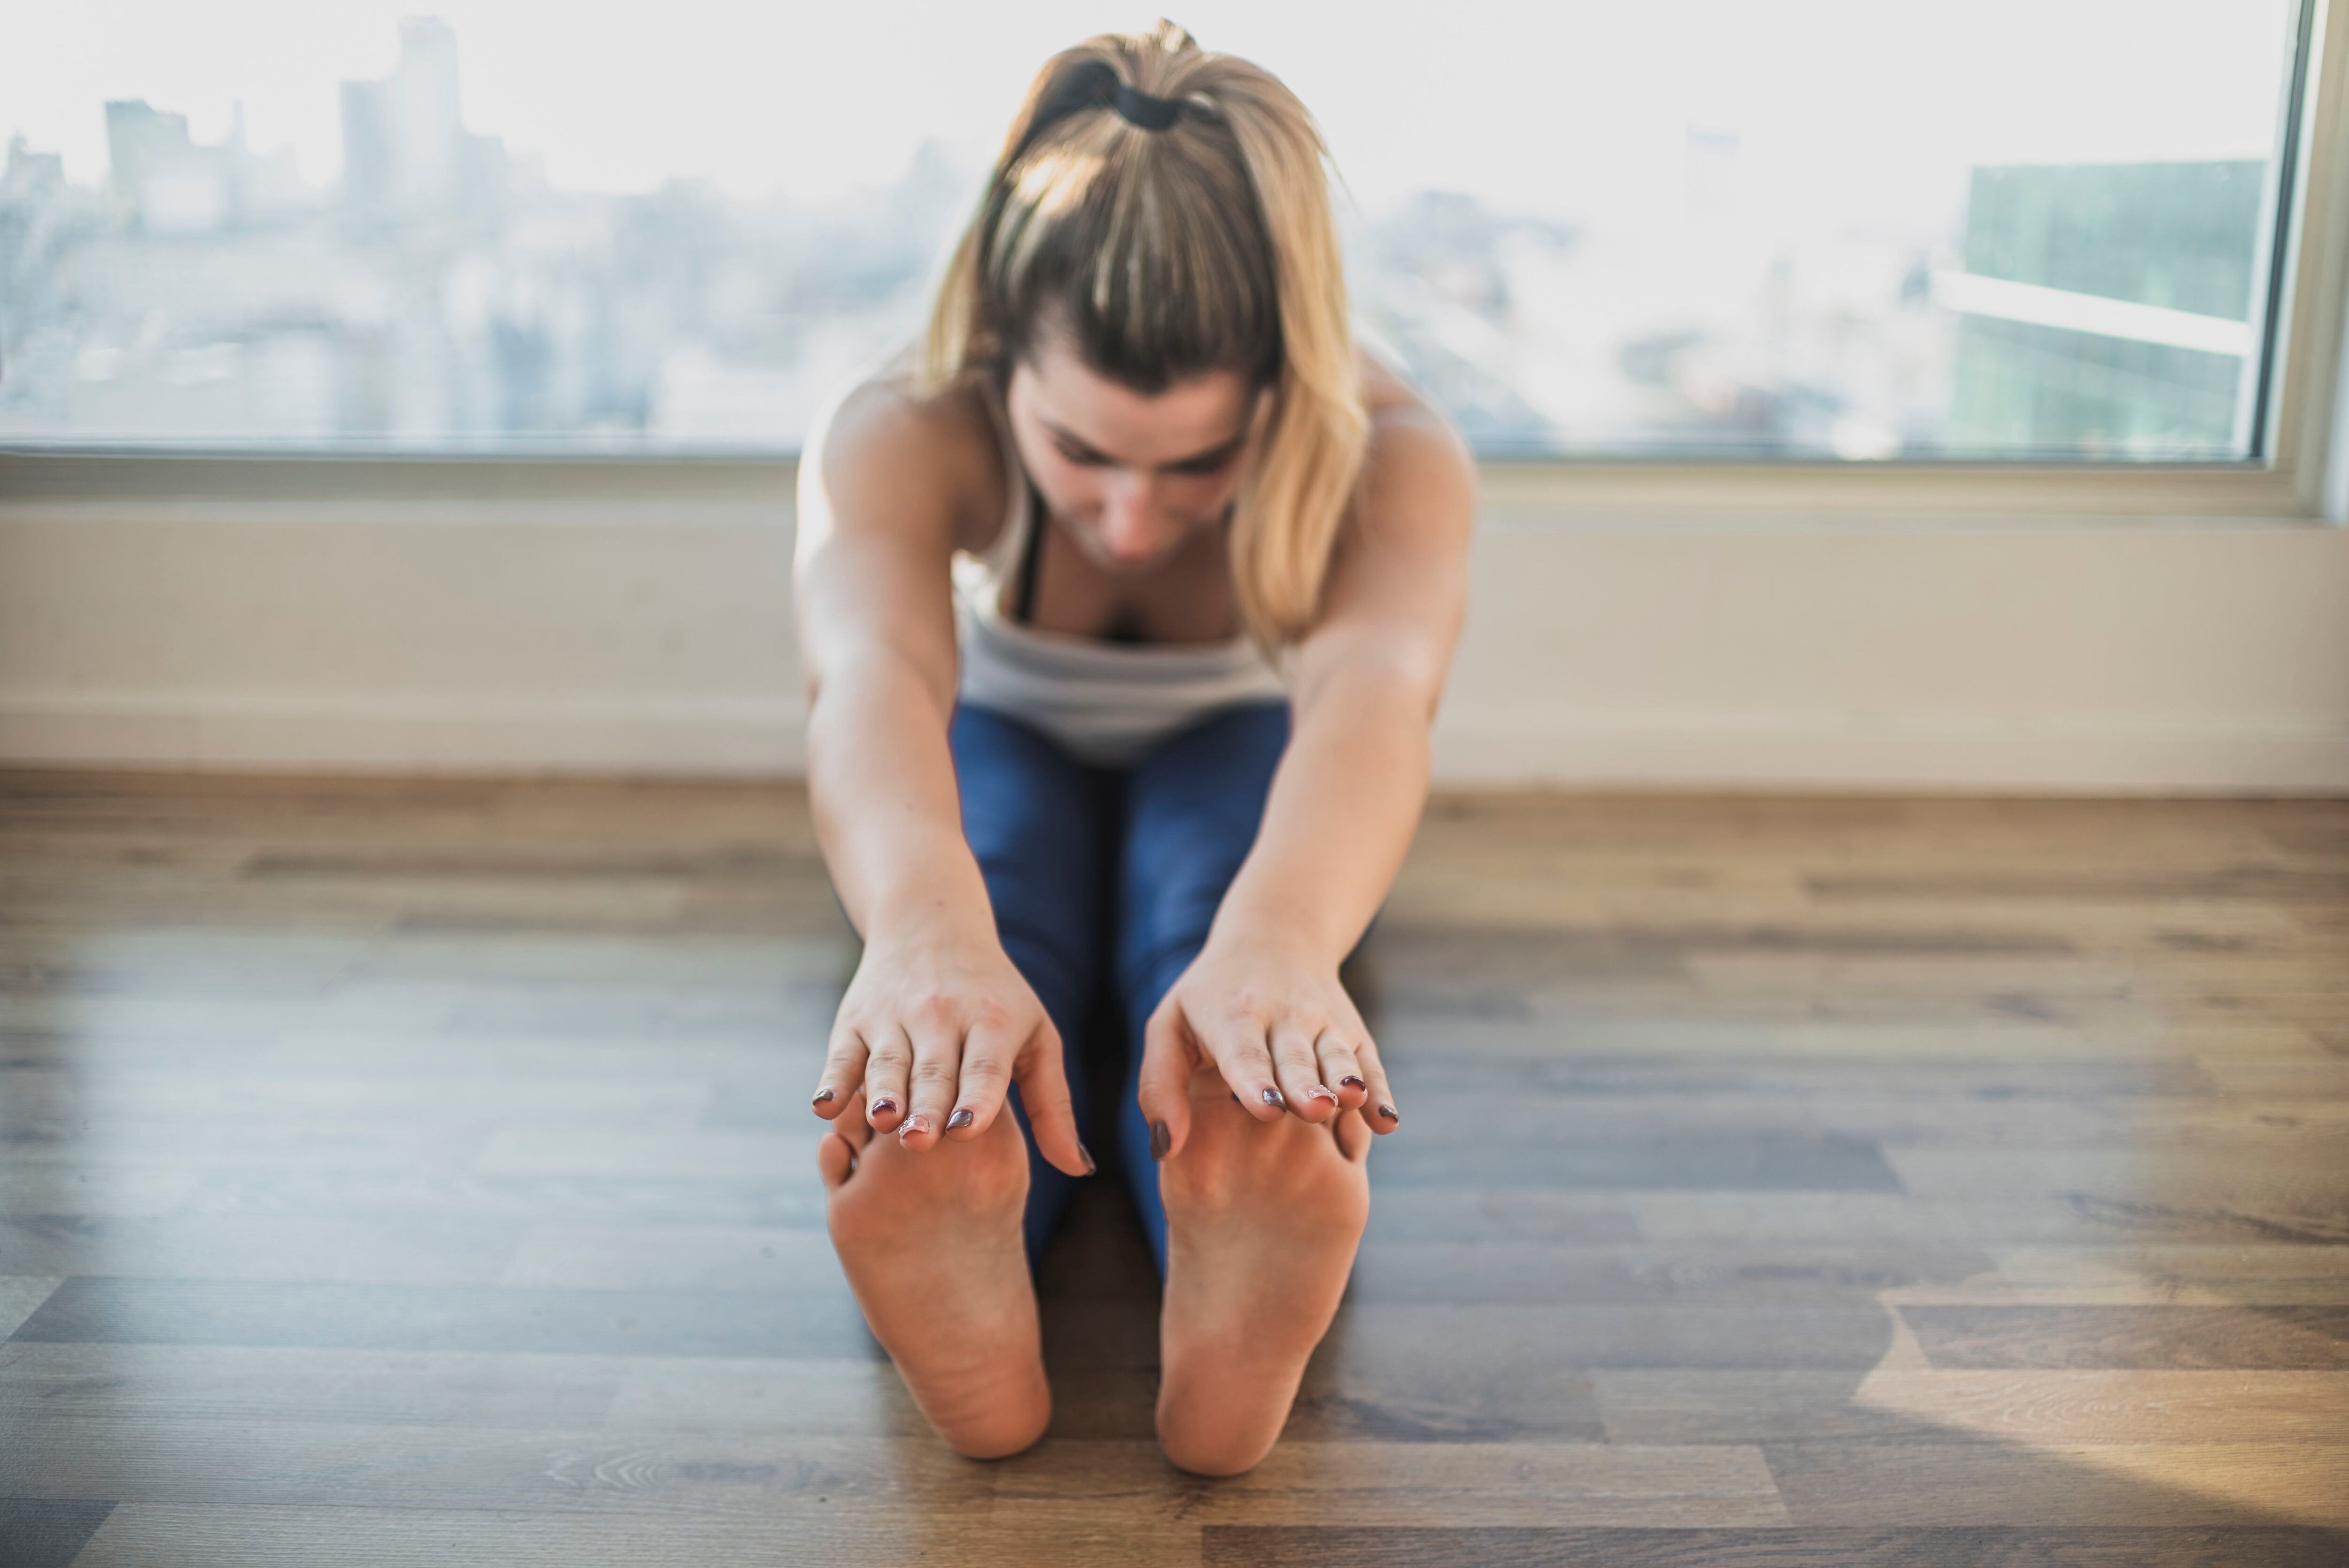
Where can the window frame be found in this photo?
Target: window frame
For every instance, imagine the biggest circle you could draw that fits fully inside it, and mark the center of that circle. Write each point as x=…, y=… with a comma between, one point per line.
x=2307, y=301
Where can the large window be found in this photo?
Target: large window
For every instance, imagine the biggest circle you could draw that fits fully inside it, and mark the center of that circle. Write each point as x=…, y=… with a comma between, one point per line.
x=1819, y=229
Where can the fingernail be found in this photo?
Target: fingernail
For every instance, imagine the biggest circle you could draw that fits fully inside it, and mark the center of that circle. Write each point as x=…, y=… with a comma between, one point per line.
x=1272, y=1096
x=1351, y=1082
x=822, y=1096
x=962, y=1118
x=1235, y=1100
x=1087, y=1154
x=1323, y=1091
x=1161, y=1140
x=883, y=1107
x=1390, y=1113
x=912, y=1125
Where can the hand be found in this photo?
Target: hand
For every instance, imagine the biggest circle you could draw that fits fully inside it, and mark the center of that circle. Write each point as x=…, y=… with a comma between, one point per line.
x=1281, y=1030
x=935, y=1030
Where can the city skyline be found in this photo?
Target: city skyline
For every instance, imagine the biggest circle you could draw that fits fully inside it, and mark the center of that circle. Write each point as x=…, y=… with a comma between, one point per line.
x=447, y=289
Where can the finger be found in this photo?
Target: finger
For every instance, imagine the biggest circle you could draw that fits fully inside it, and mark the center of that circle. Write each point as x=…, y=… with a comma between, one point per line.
x=836, y=1153
x=1301, y=1073
x=988, y=1056
x=887, y=1068
x=937, y=1066
x=1240, y=1052
x=1342, y=1069
x=1169, y=1058
x=1380, y=1110
x=844, y=1071
x=1044, y=1094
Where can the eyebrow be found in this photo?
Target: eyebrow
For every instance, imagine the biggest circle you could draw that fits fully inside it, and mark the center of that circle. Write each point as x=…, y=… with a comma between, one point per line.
x=1221, y=449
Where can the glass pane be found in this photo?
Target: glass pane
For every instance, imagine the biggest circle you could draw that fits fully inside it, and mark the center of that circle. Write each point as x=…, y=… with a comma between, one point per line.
x=1853, y=229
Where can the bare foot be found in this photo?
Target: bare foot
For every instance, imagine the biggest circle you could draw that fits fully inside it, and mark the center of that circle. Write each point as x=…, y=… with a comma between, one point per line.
x=1262, y=1221
x=931, y=1244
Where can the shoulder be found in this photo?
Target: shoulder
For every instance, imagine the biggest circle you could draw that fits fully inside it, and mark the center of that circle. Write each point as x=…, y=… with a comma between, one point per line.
x=1417, y=470
x=889, y=455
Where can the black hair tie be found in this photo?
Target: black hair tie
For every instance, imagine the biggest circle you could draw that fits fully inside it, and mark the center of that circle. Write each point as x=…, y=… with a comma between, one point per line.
x=1138, y=108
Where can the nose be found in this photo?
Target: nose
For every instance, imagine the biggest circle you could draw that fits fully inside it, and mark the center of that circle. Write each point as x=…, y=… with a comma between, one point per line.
x=1130, y=524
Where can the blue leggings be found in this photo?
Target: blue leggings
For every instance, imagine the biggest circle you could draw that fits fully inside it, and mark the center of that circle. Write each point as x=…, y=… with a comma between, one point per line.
x=1104, y=882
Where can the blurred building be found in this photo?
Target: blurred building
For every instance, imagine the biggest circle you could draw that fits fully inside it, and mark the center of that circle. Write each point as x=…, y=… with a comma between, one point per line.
x=2104, y=309
x=407, y=155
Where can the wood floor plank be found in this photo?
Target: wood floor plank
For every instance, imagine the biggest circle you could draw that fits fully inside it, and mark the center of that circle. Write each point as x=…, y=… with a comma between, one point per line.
x=1899, y=1219
x=818, y=1535
x=1822, y=1162
x=290, y=1248
x=758, y=1479
x=91, y=1310
x=2031, y=1407
x=21, y=1296
x=2247, y=1338
x=699, y=1153
x=2177, y=1485
x=1528, y=1272
x=39, y=1532
x=455, y=1195
x=763, y=1259
x=1397, y=1483
x=278, y=1384
x=1351, y=1546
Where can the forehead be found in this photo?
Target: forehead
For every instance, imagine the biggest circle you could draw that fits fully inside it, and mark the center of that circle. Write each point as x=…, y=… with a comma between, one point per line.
x=1054, y=384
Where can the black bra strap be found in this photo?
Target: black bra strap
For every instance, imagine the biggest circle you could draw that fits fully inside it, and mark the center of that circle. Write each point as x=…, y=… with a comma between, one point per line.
x=1032, y=560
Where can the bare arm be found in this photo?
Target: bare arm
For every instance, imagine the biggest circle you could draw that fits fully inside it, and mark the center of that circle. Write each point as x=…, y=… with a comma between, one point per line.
x=937, y=1021
x=1262, y=1002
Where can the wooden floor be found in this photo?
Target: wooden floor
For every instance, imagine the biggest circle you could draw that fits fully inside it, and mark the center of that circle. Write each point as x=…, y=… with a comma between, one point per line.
x=419, y=1174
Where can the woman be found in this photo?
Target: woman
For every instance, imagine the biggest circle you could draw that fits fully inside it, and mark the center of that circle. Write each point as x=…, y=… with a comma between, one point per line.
x=1125, y=618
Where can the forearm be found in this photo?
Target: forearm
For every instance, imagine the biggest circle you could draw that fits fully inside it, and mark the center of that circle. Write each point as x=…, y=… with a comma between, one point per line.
x=881, y=779
x=1344, y=805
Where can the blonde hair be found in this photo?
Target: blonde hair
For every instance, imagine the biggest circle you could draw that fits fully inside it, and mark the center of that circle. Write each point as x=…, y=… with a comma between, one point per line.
x=1167, y=254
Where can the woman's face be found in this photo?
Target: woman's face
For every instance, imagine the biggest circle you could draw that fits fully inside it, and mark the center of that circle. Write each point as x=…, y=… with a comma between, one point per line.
x=1130, y=476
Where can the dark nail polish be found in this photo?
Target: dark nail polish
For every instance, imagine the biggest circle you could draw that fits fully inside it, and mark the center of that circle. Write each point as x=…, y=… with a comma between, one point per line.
x=962, y=1118
x=883, y=1107
x=1235, y=1100
x=1161, y=1140
x=823, y=1097
x=1351, y=1082
x=1390, y=1113
x=1272, y=1096
x=1088, y=1156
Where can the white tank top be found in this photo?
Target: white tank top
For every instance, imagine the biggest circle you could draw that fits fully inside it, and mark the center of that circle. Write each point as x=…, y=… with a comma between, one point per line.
x=1105, y=703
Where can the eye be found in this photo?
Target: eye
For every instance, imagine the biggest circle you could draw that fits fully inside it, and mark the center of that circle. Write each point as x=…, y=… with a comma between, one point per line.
x=1214, y=463
x=1083, y=457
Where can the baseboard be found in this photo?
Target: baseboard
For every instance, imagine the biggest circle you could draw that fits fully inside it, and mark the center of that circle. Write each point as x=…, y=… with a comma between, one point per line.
x=751, y=737
x=1941, y=753
x=698, y=736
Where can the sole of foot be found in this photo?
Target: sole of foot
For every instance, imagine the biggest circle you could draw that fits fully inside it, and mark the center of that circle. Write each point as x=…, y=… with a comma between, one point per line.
x=1263, y=1220
x=931, y=1245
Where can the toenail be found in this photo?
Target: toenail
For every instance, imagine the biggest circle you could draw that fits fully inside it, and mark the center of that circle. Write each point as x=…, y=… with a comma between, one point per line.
x=1161, y=1140
x=884, y=1106
x=1323, y=1091
x=962, y=1118
x=1390, y=1113
x=1272, y=1096
x=1351, y=1082
x=912, y=1125
x=821, y=1095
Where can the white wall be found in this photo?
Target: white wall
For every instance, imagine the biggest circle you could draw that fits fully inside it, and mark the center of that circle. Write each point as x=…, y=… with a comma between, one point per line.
x=632, y=636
